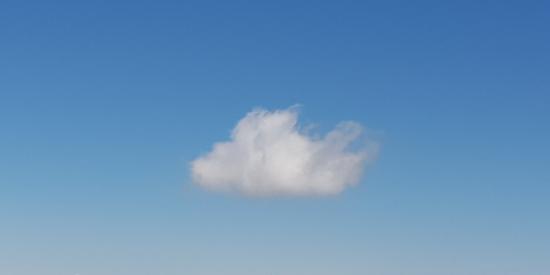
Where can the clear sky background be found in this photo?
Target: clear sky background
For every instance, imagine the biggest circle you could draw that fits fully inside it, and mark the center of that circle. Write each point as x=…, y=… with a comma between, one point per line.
x=104, y=103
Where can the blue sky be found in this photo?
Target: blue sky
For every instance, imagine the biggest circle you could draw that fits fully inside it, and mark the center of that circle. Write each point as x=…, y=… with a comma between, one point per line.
x=103, y=105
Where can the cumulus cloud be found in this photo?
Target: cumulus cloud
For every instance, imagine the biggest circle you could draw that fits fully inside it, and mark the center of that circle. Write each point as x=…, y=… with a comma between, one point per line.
x=269, y=154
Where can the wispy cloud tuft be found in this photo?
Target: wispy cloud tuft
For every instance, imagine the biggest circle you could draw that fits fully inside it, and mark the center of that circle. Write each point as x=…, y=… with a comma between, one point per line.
x=270, y=155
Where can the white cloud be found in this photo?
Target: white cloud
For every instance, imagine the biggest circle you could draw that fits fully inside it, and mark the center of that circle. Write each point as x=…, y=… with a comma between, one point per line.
x=270, y=155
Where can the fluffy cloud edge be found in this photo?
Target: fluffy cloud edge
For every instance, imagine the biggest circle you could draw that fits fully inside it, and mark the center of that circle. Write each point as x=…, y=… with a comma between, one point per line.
x=269, y=154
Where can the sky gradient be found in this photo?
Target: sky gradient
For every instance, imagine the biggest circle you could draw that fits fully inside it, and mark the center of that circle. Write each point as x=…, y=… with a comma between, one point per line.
x=104, y=104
